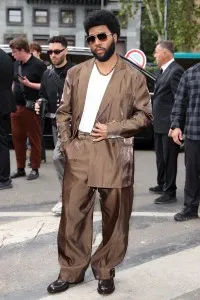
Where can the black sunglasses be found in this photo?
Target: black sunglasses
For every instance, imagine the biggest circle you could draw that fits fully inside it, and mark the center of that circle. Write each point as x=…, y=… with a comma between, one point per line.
x=101, y=37
x=50, y=52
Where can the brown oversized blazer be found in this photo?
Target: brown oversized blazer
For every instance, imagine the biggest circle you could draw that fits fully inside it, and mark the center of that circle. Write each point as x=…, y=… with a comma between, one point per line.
x=125, y=108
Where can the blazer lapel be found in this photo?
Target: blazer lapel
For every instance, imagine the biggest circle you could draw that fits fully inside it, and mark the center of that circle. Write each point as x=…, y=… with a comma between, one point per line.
x=162, y=77
x=112, y=86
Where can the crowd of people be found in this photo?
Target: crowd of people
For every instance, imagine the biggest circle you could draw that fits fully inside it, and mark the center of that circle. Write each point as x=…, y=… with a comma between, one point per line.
x=96, y=108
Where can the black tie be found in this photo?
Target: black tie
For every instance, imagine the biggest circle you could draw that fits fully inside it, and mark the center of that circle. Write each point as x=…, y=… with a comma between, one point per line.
x=161, y=71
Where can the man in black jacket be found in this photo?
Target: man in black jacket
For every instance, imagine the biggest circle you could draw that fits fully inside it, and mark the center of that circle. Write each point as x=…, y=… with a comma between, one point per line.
x=7, y=105
x=51, y=89
x=163, y=100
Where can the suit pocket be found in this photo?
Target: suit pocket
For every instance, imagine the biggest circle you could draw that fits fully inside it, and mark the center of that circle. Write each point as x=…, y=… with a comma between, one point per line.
x=74, y=149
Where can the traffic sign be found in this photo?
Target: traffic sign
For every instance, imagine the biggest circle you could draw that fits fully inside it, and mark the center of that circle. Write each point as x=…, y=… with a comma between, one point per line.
x=137, y=56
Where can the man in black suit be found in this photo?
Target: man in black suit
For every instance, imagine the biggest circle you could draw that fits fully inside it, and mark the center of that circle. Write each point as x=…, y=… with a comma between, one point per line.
x=163, y=100
x=7, y=105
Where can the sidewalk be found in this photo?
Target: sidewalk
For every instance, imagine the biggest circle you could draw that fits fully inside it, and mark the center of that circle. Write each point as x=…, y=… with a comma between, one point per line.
x=162, y=260
x=171, y=277
x=164, y=268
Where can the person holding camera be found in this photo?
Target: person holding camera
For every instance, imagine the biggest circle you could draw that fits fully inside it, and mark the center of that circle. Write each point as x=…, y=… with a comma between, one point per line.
x=28, y=71
x=51, y=89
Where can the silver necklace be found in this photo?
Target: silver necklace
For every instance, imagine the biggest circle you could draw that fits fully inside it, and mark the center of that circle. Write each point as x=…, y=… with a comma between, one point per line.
x=108, y=72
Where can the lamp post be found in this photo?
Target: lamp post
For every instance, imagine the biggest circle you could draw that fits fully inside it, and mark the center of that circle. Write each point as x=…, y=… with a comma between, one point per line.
x=102, y=4
x=166, y=20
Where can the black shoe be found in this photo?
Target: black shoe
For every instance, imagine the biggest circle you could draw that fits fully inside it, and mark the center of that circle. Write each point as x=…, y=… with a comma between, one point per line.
x=106, y=287
x=33, y=175
x=156, y=189
x=186, y=214
x=18, y=173
x=165, y=199
x=59, y=286
x=6, y=185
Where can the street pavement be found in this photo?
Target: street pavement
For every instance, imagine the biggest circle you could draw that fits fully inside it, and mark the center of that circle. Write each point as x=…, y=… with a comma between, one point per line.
x=162, y=261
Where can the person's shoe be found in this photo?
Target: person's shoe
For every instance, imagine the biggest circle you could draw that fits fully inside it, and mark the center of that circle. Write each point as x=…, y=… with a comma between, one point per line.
x=18, y=173
x=59, y=286
x=6, y=185
x=33, y=175
x=165, y=199
x=186, y=214
x=156, y=189
x=57, y=208
x=106, y=287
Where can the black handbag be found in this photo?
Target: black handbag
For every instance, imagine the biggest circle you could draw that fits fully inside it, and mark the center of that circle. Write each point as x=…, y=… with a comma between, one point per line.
x=30, y=104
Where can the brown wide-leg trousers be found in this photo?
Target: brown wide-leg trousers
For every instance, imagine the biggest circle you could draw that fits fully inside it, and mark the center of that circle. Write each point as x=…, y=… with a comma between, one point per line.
x=25, y=123
x=76, y=224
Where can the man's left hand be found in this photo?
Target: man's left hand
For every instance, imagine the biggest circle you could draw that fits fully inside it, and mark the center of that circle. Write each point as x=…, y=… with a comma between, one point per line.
x=99, y=132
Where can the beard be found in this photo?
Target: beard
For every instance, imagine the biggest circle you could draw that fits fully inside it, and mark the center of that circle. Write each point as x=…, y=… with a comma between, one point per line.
x=107, y=55
x=58, y=62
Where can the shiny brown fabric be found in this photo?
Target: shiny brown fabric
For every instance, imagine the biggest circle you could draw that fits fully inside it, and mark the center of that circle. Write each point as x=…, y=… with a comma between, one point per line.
x=125, y=108
x=76, y=225
x=106, y=166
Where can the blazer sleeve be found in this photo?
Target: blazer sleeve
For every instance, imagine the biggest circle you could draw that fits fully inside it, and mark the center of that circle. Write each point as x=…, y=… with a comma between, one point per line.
x=178, y=114
x=141, y=113
x=64, y=114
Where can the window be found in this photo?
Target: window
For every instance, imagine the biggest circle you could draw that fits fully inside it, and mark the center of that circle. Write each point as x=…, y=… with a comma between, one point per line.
x=40, y=17
x=123, y=20
x=14, y=16
x=41, y=39
x=89, y=11
x=67, y=18
x=70, y=40
x=8, y=37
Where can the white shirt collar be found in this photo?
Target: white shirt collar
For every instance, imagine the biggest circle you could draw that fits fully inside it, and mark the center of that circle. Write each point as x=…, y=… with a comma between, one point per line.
x=164, y=67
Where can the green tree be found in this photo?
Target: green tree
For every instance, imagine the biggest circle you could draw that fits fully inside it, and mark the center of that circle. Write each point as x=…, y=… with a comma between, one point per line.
x=184, y=24
x=183, y=21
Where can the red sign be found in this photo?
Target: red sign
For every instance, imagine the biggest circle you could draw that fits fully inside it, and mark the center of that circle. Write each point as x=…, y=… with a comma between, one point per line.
x=137, y=56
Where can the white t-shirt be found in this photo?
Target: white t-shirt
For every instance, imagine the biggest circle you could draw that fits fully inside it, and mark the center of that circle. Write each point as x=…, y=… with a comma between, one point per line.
x=95, y=92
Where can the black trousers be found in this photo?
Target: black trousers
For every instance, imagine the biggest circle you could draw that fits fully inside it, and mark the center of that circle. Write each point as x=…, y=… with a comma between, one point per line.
x=4, y=150
x=166, y=160
x=192, y=180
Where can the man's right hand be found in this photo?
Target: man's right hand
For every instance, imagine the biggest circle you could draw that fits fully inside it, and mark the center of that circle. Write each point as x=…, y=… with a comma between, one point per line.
x=177, y=135
x=37, y=107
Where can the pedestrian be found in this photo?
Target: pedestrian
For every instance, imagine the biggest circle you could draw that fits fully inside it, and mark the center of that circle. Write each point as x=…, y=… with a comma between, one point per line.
x=36, y=50
x=24, y=122
x=106, y=102
x=51, y=89
x=7, y=105
x=166, y=150
x=185, y=119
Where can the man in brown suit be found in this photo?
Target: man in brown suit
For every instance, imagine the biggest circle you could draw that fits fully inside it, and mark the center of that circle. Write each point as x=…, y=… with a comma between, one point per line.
x=106, y=102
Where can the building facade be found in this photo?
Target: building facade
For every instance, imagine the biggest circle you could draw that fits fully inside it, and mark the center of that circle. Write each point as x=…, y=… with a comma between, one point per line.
x=40, y=19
